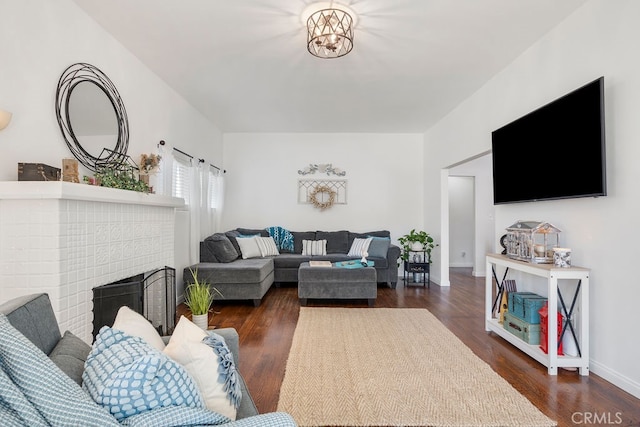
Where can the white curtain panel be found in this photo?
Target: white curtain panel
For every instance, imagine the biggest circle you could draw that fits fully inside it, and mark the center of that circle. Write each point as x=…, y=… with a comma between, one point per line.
x=210, y=212
x=165, y=175
x=219, y=200
x=195, y=189
x=202, y=187
x=206, y=221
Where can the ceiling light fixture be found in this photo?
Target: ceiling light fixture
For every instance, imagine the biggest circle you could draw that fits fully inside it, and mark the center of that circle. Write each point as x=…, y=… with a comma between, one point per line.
x=329, y=30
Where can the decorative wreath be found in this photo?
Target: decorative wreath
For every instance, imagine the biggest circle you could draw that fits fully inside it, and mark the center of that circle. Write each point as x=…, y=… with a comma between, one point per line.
x=320, y=189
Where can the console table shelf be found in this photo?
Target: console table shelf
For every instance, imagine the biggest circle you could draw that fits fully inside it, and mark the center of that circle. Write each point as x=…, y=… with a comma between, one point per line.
x=572, y=275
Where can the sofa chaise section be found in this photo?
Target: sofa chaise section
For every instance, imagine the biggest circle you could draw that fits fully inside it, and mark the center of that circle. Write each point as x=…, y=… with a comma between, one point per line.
x=242, y=279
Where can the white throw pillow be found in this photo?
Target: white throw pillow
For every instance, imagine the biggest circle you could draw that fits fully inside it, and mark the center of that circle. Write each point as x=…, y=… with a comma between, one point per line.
x=202, y=363
x=249, y=247
x=359, y=246
x=267, y=246
x=314, y=247
x=134, y=324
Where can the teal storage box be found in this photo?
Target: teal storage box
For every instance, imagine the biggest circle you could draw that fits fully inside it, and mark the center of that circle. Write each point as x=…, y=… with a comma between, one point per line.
x=525, y=331
x=526, y=307
x=511, y=298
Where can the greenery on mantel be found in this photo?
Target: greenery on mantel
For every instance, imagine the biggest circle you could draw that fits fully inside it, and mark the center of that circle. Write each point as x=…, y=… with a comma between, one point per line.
x=422, y=237
x=121, y=179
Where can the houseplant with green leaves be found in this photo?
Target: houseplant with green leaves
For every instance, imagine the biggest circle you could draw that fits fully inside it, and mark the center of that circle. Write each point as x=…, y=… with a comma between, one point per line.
x=416, y=241
x=198, y=297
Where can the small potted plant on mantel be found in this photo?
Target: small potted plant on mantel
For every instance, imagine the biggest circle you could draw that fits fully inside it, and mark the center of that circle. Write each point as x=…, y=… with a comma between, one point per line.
x=198, y=297
x=416, y=241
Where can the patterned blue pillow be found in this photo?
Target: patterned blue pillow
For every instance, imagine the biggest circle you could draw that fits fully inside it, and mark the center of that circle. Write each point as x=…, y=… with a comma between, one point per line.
x=283, y=238
x=127, y=376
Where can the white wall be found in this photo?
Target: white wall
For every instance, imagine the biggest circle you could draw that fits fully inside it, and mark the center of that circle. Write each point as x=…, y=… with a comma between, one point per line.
x=462, y=221
x=41, y=38
x=599, y=39
x=383, y=172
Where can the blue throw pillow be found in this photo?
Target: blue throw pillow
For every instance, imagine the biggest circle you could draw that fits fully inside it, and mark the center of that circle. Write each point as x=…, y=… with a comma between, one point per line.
x=127, y=376
x=379, y=246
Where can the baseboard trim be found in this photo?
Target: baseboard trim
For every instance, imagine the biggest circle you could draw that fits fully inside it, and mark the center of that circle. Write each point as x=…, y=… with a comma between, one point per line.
x=460, y=264
x=615, y=378
x=476, y=273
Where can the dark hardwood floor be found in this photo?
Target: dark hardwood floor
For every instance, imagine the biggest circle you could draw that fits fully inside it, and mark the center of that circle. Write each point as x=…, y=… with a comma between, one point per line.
x=266, y=333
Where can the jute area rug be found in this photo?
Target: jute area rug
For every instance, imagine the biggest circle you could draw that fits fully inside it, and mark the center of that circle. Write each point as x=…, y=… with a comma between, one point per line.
x=393, y=367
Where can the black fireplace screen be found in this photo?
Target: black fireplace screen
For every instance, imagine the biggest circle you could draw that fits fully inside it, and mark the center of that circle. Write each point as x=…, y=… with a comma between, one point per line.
x=151, y=294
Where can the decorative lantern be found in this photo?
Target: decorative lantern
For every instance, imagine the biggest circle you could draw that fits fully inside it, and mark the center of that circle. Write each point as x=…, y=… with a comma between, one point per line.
x=532, y=241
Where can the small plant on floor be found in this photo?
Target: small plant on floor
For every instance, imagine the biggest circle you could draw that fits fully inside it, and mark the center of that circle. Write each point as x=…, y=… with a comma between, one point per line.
x=199, y=295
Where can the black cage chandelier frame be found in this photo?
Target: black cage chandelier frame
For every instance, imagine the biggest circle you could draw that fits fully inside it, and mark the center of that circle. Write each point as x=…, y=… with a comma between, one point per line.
x=329, y=30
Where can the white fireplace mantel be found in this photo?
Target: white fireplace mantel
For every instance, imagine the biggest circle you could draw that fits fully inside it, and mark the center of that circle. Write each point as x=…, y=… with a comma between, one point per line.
x=35, y=190
x=67, y=238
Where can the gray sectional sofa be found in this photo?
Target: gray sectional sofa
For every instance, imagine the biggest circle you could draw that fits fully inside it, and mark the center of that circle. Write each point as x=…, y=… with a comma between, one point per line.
x=249, y=279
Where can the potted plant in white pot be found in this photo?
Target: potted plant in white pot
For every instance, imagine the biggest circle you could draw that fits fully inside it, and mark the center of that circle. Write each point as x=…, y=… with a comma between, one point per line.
x=198, y=297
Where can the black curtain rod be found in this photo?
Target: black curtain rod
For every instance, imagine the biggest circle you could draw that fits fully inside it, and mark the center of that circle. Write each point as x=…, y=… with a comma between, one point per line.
x=182, y=152
x=199, y=160
x=217, y=168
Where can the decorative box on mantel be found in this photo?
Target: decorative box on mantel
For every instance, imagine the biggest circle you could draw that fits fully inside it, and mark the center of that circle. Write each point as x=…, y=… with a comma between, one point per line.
x=532, y=241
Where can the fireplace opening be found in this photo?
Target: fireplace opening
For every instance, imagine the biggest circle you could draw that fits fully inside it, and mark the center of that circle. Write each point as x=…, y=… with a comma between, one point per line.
x=152, y=294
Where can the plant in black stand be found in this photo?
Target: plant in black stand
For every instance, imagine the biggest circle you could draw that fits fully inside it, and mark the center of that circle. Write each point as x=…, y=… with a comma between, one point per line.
x=416, y=241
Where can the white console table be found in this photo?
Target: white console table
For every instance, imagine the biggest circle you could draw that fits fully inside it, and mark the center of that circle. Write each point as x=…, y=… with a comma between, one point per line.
x=573, y=275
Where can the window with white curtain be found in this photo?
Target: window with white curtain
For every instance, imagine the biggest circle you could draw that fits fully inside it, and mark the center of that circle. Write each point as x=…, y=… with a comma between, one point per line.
x=201, y=188
x=181, y=178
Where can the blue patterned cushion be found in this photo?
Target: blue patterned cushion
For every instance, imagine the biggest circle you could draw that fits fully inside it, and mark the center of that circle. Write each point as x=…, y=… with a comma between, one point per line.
x=34, y=391
x=283, y=238
x=128, y=376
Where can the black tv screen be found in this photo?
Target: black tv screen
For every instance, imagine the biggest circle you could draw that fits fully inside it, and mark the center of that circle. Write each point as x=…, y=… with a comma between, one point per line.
x=554, y=152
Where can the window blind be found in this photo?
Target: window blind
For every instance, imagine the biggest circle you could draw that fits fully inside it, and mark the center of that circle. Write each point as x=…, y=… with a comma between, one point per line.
x=181, y=183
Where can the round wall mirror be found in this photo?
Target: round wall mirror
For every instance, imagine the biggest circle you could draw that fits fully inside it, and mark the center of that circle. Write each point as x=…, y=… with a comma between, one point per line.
x=92, y=117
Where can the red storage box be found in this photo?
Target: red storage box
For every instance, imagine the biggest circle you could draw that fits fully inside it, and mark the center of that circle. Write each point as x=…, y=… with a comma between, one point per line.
x=544, y=327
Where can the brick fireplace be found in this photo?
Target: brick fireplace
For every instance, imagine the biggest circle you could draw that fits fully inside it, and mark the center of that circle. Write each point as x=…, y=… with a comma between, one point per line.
x=65, y=239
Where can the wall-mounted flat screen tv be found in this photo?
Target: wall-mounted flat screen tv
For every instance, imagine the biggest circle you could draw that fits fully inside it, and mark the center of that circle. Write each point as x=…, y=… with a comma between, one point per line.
x=554, y=152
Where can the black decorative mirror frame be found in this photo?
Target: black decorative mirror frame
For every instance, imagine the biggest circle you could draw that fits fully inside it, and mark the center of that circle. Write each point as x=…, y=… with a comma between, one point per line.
x=71, y=77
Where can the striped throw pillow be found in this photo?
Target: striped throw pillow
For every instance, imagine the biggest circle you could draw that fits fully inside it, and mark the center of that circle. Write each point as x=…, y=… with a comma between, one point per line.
x=267, y=246
x=314, y=247
x=359, y=246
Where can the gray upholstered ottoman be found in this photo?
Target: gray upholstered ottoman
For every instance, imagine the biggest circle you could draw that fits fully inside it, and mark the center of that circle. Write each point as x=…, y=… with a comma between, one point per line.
x=337, y=283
